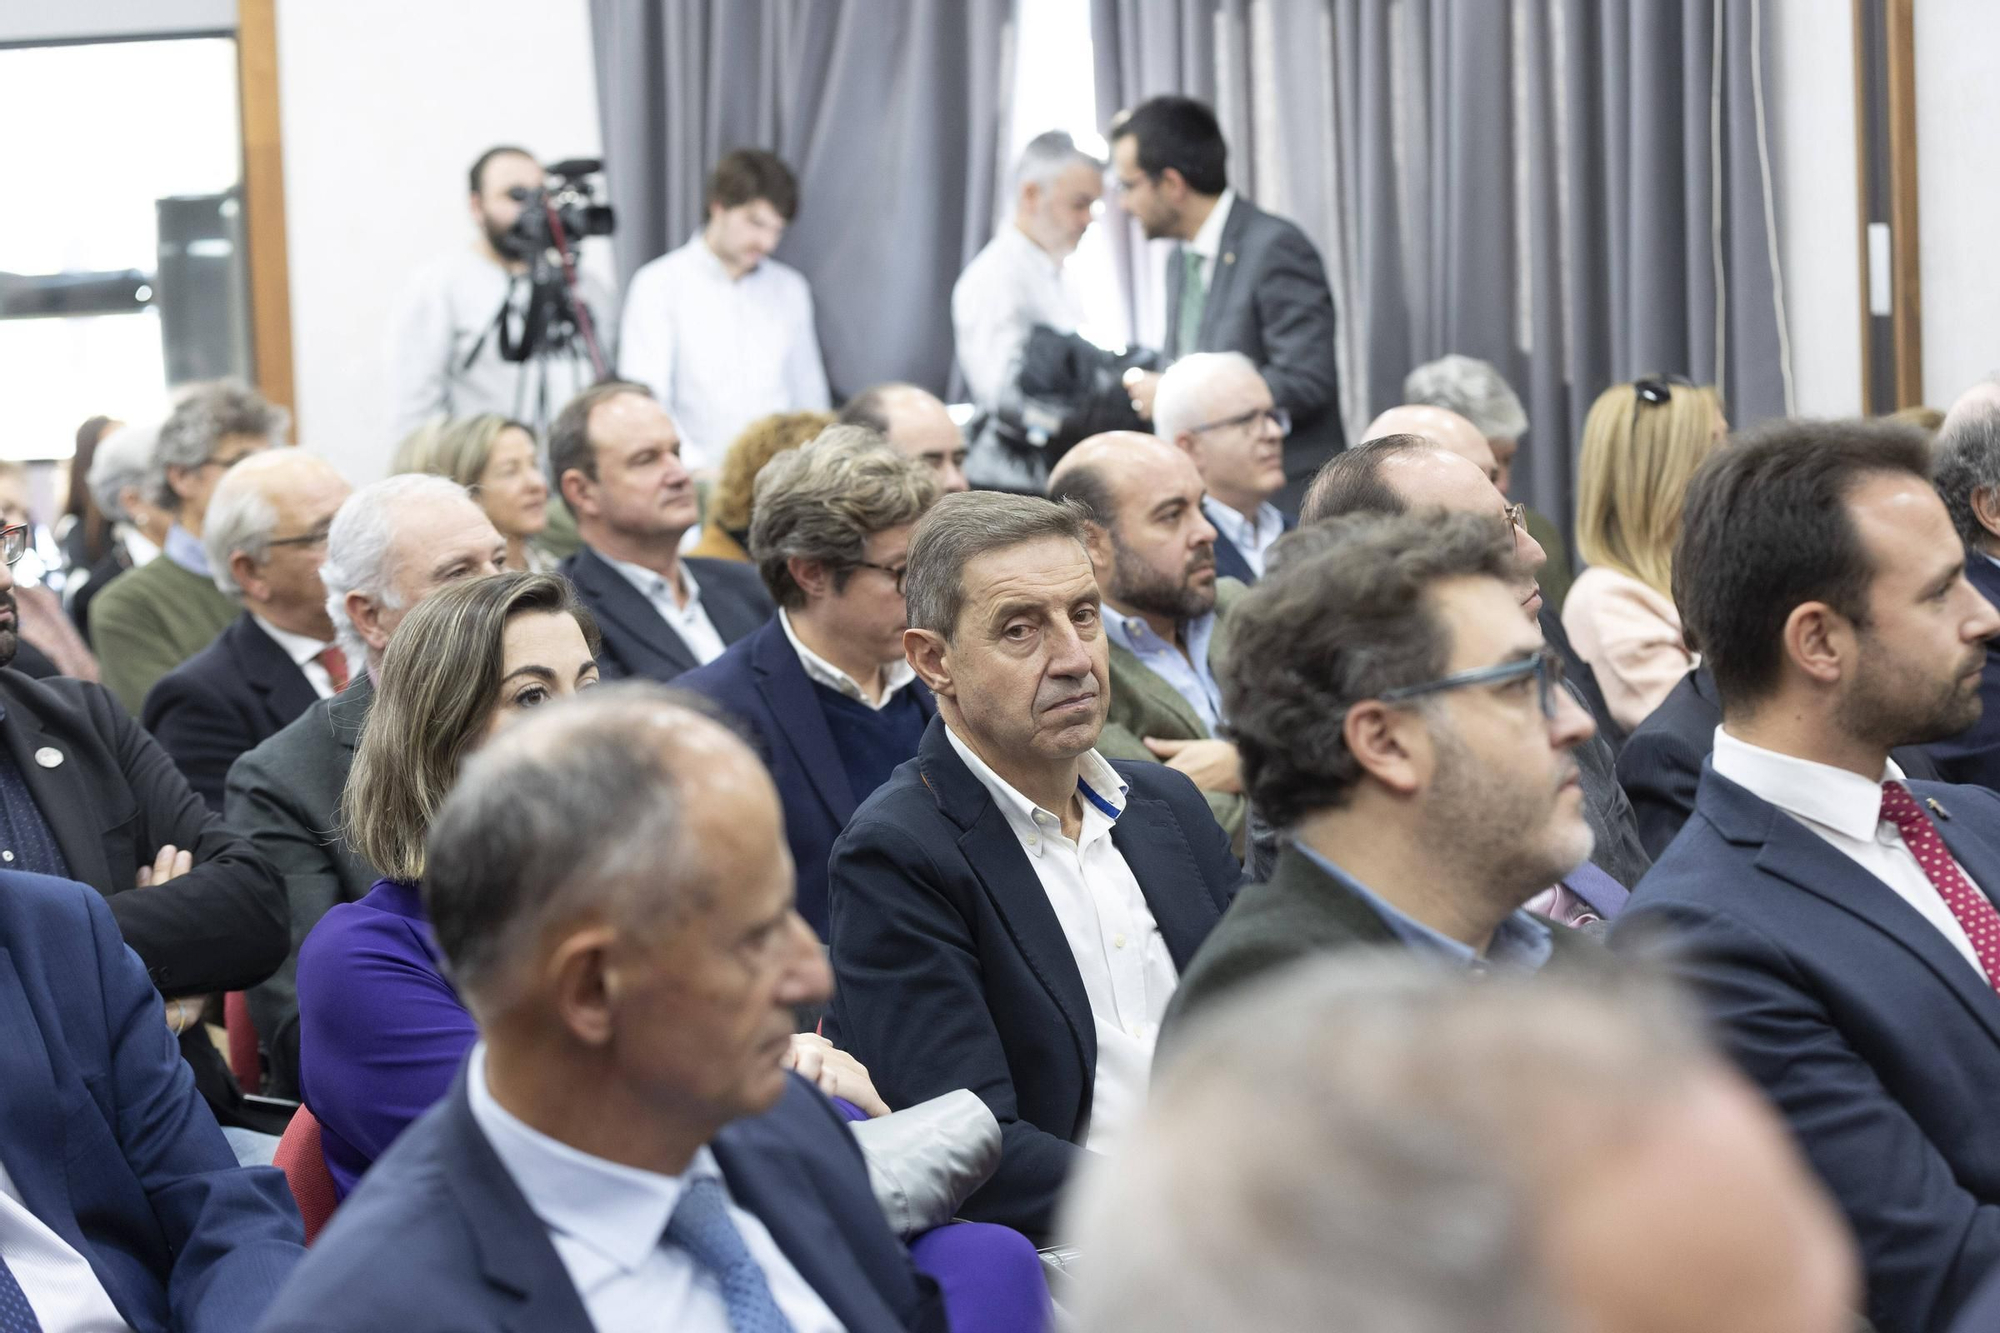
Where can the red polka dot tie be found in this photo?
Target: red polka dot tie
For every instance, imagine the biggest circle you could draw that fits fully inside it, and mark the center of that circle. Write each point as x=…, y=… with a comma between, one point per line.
x=1975, y=912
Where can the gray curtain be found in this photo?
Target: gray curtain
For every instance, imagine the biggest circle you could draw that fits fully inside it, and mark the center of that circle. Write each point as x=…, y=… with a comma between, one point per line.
x=1571, y=189
x=889, y=111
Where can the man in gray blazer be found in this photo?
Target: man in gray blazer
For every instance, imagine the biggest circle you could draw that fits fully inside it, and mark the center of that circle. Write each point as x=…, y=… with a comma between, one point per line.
x=1241, y=280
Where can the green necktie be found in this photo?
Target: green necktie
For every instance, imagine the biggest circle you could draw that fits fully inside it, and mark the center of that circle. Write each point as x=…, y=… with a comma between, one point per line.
x=1194, y=294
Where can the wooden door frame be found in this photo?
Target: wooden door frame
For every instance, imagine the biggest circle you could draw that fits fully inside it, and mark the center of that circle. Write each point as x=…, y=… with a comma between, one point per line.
x=264, y=201
x=1885, y=154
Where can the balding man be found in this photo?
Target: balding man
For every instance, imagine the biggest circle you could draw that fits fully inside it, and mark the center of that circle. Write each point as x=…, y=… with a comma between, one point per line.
x=1217, y=407
x=266, y=538
x=1165, y=610
x=916, y=422
x=1444, y=428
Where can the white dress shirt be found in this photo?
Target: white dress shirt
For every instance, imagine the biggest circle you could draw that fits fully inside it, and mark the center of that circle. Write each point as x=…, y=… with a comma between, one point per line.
x=304, y=650
x=606, y=1221
x=1127, y=972
x=1252, y=539
x=61, y=1287
x=894, y=676
x=1008, y=288
x=720, y=352
x=1846, y=810
x=697, y=631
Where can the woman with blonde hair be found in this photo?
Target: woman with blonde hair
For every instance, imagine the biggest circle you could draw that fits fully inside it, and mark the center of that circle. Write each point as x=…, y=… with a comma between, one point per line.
x=495, y=459
x=1641, y=444
x=725, y=528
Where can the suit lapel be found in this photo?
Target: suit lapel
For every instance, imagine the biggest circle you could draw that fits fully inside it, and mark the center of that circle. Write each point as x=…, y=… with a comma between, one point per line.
x=31, y=1124
x=1176, y=272
x=734, y=616
x=1223, y=277
x=623, y=605
x=74, y=815
x=788, y=693
x=1157, y=852
x=1134, y=677
x=1229, y=562
x=269, y=670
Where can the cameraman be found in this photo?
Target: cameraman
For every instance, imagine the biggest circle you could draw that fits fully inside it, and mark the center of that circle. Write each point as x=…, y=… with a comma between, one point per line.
x=445, y=355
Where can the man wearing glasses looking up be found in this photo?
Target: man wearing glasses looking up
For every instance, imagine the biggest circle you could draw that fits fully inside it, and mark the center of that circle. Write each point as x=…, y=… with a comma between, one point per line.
x=1217, y=407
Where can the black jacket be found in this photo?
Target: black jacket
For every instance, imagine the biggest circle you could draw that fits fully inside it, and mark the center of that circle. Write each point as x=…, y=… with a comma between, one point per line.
x=637, y=642
x=225, y=700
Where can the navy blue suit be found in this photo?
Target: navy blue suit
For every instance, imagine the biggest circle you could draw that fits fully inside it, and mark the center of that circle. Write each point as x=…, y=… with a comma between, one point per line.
x=439, y=1238
x=1229, y=562
x=104, y=1136
x=1974, y=754
x=761, y=682
x=1877, y=1040
x=952, y=970
x=223, y=702
x=637, y=641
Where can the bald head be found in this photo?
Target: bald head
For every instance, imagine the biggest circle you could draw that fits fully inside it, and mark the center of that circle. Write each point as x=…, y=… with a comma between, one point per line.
x=917, y=423
x=266, y=536
x=1444, y=427
x=1151, y=547
x=1216, y=406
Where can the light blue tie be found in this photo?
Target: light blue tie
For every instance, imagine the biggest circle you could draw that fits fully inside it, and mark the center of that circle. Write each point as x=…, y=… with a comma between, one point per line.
x=701, y=1226
x=16, y=1315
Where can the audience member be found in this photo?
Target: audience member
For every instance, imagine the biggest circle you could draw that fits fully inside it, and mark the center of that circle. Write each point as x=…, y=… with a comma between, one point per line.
x=1011, y=911
x=1241, y=280
x=494, y=459
x=84, y=531
x=1216, y=406
x=916, y=422
x=45, y=631
x=718, y=330
x=151, y=619
x=1165, y=614
x=1376, y=1145
x=392, y=544
x=725, y=526
x=1444, y=428
x=1641, y=443
x=265, y=539
x=117, y=481
x=610, y=893
x=1968, y=477
x=1834, y=918
x=824, y=688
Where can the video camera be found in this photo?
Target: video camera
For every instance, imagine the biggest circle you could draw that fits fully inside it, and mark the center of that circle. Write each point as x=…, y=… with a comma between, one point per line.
x=560, y=215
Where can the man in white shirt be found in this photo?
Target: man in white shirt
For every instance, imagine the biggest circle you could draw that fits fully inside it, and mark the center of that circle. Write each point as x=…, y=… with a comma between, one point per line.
x=1836, y=918
x=916, y=423
x=1217, y=407
x=719, y=331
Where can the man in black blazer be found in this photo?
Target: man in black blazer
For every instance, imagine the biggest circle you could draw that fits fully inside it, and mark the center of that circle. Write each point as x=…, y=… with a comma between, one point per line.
x=1836, y=919
x=1011, y=911
x=615, y=456
x=1240, y=281
x=623, y=1151
x=1967, y=475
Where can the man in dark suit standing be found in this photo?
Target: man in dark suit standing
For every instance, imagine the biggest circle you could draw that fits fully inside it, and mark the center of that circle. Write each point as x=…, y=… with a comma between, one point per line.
x=1012, y=911
x=1836, y=919
x=1217, y=407
x=615, y=455
x=824, y=686
x=623, y=1150
x=1967, y=474
x=1240, y=281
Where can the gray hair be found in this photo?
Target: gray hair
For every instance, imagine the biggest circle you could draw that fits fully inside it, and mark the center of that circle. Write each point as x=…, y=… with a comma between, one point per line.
x=1966, y=458
x=241, y=516
x=959, y=528
x=204, y=415
x=124, y=458
x=357, y=546
x=1047, y=156
x=1472, y=388
x=1183, y=399
x=1363, y=1143
x=824, y=500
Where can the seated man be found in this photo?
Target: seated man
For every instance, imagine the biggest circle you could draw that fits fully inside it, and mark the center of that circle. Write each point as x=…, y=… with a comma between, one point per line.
x=615, y=456
x=1165, y=612
x=265, y=538
x=1216, y=406
x=824, y=687
x=1011, y=912
x=1835, y=919
x=392, y=544
x=1968, y=477
x=623, y=1151
x=121, y=1204
x=916, y=422
x=1406, y=729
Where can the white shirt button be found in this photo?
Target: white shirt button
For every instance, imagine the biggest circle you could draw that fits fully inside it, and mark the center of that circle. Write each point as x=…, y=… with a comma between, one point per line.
x=6, y=856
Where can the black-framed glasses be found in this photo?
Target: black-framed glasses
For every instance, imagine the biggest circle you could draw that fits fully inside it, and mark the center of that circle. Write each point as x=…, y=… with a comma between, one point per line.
x=896, y=572
x=1278, y=415
x=317, y=537
x=13, y=542
x=1545, y=666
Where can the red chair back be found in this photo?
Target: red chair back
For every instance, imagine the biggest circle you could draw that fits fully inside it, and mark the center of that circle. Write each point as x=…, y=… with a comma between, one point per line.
x=299, y=1157
x=242, y=1036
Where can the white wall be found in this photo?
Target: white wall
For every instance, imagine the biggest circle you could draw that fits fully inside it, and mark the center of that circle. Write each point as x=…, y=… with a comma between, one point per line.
x=1958, y=192
x=385, y=105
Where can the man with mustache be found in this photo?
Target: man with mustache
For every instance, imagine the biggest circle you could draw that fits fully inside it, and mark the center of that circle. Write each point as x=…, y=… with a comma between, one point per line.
x=1011, y=911
x=1836, y=918
x=1152, y=549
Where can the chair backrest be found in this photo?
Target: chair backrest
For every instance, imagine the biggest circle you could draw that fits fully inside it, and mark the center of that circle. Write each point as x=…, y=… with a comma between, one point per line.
x=242, y=1033
x=300, y=1158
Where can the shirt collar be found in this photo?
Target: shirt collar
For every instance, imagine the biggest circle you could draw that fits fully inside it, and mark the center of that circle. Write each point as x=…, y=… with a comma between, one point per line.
x=139, y=547
x=1519, y=941
x=1027, y=245
x=895, y=675
x=1207, y=241
x=185, y=549
x=1102, y=789
x=1135, y=636
x=712, y=262
x=655, y=585
x=301, y=648
x=1257, y=532
x=1845, y=802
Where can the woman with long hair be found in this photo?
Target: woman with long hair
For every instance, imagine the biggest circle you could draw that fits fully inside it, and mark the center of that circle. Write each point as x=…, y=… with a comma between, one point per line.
x=495, y=459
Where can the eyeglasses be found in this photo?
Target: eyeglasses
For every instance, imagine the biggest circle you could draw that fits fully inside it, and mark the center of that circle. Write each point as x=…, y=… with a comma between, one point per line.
x=1544, y=666
x=226, y=463
x=896, y=572
x=317, y=537
x=1278, y=415
x=13, y=542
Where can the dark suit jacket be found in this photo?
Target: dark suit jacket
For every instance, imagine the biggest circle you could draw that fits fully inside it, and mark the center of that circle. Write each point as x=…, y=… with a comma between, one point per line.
x=1229, y=562
x=637, y=642
x=761, y=682
x=1661, y=763
x=1879, y=1043
x=1268, y=299
x=439, y=1238
x=112, y=799
x=240, y=690
x=952, y=970
x=104, y=1136
x=1974, y=754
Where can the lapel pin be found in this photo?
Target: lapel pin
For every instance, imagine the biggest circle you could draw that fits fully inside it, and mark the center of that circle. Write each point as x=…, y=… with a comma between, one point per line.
x=1229, y=257
x=48, y=756
x=1937, y=809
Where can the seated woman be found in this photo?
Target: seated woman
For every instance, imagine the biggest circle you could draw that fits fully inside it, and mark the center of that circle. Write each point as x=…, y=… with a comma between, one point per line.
x=725, y=525
x=1641, y=443
x=495, y=459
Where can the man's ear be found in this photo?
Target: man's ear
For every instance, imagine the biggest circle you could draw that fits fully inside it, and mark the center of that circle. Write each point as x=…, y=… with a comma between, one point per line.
x=814, y=577
x=1097, y=542
x=1390, y=744
x=244, y=570
x=180, y=480
x=578, y=492
x=1818, y=641
x=930, y=657
x=583, y=984
x=1986, y=508
x=366, y=617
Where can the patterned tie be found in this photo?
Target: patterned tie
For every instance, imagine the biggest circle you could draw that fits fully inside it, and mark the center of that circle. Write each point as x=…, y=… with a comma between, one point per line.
x=335, y=663
x=1194, y=295
x=16, y=1315
x=701, y=1226
x=1975, y=912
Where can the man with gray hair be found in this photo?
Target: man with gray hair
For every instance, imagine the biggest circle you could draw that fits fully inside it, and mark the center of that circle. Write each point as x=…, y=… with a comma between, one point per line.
x=1966, y=471
x=392, y=544
x=1011, y=911
x=153, y=618
x=1376, y=1144
x=117, y=482
x=824, y=686
x=266, y=537
x=1217, y=407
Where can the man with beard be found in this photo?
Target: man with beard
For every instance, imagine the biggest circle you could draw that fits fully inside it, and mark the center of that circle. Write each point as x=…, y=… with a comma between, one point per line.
x=1835, y=918
x=1152, y=549
x=1404, y=725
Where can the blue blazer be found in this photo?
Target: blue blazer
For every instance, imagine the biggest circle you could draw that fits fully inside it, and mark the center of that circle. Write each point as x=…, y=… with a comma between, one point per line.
x=1974, y=754
x=1877, y=1041
x=761, y=682
x=439, y=1238
x=1229, y=562
x=952, y=970
x=637, y=642
x=106, y=1139
x=226, y=700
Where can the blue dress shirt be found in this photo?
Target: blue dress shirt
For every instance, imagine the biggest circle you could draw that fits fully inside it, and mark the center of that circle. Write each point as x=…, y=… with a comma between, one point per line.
x=1187, y=672
x=1520, y=942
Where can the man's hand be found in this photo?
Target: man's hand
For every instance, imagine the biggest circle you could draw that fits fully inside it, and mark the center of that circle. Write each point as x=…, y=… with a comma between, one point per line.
x=1211, y=764
x=169, y=863
x=834, y=1072
x=1142, y=388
